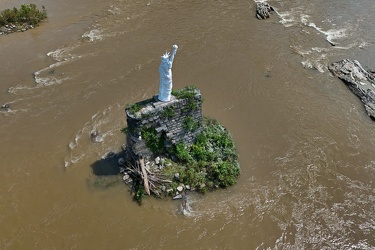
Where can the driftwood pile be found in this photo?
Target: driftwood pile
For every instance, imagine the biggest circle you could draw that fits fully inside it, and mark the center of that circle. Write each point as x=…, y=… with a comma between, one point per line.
x=263, y=10
x=137, y=173
x=360, y=81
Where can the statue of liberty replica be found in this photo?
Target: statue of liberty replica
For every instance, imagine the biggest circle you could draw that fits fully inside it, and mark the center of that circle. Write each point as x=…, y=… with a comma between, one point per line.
x=165, y=71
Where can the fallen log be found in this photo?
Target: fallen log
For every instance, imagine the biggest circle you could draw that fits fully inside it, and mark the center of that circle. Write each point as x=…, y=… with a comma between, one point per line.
x=360, y=82
x=144, y=176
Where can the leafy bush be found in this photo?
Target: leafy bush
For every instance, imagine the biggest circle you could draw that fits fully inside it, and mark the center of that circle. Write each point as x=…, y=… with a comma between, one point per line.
x=190, y=124
x=26, y=14
x=134, y=108
x=182, y=153
x=139, y=193
x=154, y=141
x=188, y=92
x=168, y=112
x=224, y=172
x=211, y=161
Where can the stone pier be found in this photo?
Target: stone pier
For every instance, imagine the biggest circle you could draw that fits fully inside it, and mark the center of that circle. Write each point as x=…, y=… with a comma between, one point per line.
x=164, y=124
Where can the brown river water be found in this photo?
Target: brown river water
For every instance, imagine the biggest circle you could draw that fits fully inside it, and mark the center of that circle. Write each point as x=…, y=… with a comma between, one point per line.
x=305, y=144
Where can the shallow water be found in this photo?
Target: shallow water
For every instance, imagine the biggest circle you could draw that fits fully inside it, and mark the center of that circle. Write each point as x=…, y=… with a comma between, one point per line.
x=305, y=142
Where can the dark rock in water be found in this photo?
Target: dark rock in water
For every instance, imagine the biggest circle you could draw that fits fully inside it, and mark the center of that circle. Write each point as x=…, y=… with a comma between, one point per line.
x=263, y=10
x=5, y=107
x=359, y=81
x=93, y=135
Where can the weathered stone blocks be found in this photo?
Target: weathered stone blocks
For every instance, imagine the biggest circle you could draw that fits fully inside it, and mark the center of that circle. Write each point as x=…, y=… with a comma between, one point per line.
x=179, y=120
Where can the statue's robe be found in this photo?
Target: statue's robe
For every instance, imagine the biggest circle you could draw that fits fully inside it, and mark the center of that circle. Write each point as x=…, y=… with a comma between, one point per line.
x=165, y=82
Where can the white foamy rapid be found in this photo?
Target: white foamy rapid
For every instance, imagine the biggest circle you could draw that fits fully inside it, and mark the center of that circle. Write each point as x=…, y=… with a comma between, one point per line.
x=335, y=33
x=48, y=75
x=331, y=34
x=93, y=35
x=97, y=137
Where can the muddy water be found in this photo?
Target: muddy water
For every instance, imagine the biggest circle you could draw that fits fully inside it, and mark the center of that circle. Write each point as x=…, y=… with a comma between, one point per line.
x=306, y=146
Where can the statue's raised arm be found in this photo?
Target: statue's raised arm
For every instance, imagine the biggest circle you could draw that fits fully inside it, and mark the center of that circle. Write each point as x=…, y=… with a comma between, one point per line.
x=165, y=71
x=171, y=58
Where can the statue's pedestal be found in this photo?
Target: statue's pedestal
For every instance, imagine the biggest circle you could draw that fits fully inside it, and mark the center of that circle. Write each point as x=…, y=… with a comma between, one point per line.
x=168, y=120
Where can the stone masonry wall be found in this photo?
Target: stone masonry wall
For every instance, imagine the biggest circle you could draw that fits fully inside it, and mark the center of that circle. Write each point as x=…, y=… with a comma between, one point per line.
x=179, y=120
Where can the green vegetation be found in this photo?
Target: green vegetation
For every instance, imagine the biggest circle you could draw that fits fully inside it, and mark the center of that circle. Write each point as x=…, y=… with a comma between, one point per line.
x=190, y=124
x=146, y=115
x=182, y=152
x=168, y=112
x=136, y=107
x=26, y=14
x=210, y=162
x=153, y=140
x=139, y=193
x=188, y=92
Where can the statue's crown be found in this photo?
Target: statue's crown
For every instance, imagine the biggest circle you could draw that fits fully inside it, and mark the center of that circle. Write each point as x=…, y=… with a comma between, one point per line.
x=165, y=55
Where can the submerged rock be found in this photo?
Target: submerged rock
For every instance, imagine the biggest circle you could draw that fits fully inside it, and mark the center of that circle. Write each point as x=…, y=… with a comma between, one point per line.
x=360, y=82
x=5, y=107
x=263, y=10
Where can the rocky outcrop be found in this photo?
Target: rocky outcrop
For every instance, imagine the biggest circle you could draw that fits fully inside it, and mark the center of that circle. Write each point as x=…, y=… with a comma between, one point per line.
x=263, y=10
x=360, y=81
x=11, y=28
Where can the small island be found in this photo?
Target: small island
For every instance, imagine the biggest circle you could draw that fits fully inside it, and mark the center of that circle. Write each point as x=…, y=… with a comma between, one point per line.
x=22, y=19
x=172, y=148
